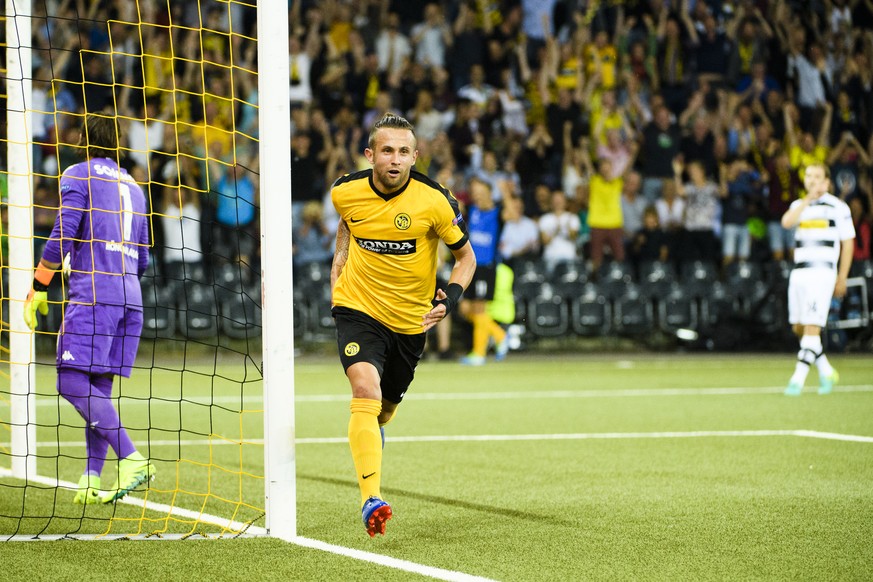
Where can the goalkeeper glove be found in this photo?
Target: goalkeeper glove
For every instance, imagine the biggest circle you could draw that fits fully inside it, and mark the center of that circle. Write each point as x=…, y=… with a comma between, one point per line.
x=36, y=301
x=37, y=298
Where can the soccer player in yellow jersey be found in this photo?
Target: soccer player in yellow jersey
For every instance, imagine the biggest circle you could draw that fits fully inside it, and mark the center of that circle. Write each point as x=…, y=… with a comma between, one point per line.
x=383, y=284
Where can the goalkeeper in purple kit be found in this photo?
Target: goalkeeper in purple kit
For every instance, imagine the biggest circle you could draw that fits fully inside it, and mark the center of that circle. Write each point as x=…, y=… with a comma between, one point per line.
x=103, y=225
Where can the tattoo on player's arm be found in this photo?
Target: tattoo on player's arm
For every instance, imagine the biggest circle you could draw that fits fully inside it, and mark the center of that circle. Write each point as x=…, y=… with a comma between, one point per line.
x=341, y=254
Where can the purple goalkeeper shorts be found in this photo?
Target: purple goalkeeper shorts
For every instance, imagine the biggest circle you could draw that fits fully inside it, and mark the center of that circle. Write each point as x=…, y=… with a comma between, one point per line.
x=99, y=339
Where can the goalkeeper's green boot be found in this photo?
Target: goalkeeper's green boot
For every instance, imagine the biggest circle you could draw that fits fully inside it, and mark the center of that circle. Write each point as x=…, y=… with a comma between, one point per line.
x=88, y=490
x=131, y=474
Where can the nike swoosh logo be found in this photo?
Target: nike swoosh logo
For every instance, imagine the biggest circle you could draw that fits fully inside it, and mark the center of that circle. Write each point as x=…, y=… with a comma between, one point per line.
x=353, y=221
x=368, y=476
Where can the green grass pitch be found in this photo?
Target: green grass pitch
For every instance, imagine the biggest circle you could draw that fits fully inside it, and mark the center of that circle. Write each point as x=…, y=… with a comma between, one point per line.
x=568, y=467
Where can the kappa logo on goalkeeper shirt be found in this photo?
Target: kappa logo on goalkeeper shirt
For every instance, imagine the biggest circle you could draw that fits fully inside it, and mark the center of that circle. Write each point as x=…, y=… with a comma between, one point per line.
x=67, y=356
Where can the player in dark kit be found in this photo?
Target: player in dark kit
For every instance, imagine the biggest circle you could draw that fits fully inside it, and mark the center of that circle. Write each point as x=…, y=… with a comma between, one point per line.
x=102, y=224
x=383, y=288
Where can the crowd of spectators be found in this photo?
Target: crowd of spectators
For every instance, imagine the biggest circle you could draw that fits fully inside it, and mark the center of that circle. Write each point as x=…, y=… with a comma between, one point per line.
x=619, y=131
x=182, y=79
x=633, y=130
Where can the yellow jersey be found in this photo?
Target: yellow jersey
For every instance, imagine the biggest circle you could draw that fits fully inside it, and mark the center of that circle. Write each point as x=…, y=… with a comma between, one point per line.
x=604, y=202
x=390, y=273
x=601, y=59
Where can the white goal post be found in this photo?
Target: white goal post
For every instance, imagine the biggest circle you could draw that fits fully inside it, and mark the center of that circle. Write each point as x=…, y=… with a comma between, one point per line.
x=22, y=370
x=277, y=295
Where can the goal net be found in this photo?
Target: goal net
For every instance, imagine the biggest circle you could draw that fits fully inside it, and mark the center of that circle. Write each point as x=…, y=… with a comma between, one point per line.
x=181, y=78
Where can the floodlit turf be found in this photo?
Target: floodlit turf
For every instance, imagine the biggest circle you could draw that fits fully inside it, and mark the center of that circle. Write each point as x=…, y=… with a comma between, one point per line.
x=597, y=467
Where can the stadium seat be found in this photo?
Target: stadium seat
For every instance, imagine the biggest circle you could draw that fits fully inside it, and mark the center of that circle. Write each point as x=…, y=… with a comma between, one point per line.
x=677, y=310
x=230, y=280
x=768, y=311
x=152, y=272
x=656, y=279
x=319, y=319
x=864, y=270
x=633, y=313
x=741, y=277
x=569, y=279
x=241, y=314
x=312, y=300
x=697, y=278
x=312, y=276
x=180, y=272
x=529, y=278
x=159, y=314
x=717, y=305
x=568, y=266
x=530, y=270
x=548, y=314
x=615, y=279
x=198, y=312
x=590, y=312
x=777, y=272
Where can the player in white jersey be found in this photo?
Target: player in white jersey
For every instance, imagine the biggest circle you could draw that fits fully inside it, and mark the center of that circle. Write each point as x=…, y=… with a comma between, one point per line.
x=823, y=255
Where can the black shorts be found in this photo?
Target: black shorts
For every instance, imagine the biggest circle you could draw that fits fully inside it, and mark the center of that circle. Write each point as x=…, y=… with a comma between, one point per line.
x=360, y=338
x=482, y=285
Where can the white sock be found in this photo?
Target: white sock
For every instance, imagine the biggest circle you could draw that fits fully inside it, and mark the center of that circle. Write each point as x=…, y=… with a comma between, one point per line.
x=824, y=366
x=805, y=357
x=813, y=342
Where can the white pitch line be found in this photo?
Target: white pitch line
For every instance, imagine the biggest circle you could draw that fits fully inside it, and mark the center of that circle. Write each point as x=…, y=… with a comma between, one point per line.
x=176, y=400
x=413, y=567
x=603, y=436
x=232, y=526
x=382, y=560
x=507, y=438
x=250, y=530
x=833, y=436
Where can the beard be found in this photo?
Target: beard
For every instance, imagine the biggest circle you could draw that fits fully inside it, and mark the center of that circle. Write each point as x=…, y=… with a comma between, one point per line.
x=392, y=182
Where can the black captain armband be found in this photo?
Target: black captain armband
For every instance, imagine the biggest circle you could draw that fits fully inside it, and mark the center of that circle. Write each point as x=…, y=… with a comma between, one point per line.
x=453, y=296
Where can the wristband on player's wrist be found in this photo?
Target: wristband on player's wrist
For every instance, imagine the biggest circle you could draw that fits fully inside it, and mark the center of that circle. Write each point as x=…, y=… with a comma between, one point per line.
x=453, y=296
x=42, y=277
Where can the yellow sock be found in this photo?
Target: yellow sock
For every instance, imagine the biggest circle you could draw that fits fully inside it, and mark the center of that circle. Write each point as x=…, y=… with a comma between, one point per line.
x=365, y=442
x=495, y=331
x=480, y=334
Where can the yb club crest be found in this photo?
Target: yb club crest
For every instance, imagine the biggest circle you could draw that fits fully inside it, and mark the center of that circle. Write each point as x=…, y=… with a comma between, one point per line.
x=402, y=221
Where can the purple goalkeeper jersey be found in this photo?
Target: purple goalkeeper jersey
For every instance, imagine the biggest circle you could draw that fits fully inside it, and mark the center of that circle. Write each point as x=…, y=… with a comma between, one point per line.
x=103, y=224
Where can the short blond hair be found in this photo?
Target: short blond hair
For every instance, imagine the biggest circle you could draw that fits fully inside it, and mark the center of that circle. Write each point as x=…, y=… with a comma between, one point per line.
x=390, y=121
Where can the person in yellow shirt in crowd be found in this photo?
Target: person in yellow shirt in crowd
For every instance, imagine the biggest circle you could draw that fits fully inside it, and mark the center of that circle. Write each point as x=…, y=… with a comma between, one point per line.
x=600, y=58
x=604, y=211
x=805, y=150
